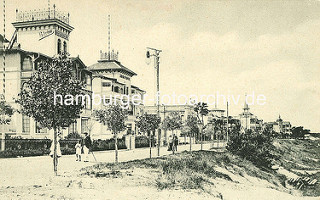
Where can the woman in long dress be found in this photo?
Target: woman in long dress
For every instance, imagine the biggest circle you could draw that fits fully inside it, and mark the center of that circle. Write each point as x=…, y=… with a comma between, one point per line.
x=58, y=147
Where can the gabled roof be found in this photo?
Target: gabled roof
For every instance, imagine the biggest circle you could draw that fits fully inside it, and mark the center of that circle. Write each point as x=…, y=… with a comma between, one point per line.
x=110, y=65
x=137, y=88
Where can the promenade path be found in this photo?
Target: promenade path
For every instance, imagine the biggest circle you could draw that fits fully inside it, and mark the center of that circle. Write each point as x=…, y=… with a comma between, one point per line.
x=38, y=170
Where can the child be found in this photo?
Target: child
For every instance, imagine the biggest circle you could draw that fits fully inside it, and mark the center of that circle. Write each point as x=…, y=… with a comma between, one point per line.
x=78, y=150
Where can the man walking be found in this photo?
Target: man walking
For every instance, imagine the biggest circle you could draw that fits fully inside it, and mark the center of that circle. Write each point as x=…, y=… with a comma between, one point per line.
x=87, y=143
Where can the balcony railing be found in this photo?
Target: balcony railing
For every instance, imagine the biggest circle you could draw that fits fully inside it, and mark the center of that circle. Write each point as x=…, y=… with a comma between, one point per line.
x=35, y=15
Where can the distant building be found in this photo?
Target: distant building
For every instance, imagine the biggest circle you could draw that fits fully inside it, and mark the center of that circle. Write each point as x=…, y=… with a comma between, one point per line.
x=165, y=110
x=248, y=120
x=280, y=126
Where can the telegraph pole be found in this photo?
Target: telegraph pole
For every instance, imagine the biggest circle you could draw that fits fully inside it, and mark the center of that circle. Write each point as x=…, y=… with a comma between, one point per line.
x=4, y=74
x=156, y=54
x=227, y=121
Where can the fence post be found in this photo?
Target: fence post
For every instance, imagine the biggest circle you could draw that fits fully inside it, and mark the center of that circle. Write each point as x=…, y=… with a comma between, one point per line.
x=3, y=142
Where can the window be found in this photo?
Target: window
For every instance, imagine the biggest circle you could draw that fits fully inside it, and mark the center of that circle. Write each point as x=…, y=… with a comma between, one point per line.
x=39, y=129
x=88, y=80
x=132, y=91
x=73, y=128
x=59, y=46
x=65, y=47
x=25, y=124
x=84, y=125
x=116, y=89
x=27, y=64
x=106, y=84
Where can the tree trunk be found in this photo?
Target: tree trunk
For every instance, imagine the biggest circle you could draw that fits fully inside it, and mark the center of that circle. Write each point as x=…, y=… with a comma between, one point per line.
x=190, y=142
x=159, y=141
x=150, y=144
x=55, y=157
x=116, y=147
x=172, y=146
x=201, y=133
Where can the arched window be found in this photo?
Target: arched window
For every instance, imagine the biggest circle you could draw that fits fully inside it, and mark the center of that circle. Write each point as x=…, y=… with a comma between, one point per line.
x=65, y=47
x=59, y=46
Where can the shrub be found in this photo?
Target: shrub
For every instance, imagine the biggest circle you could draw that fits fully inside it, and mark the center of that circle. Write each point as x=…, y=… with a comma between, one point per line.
x=102, y=145
x=73, y=135
x=254, y=147
x=143, y=141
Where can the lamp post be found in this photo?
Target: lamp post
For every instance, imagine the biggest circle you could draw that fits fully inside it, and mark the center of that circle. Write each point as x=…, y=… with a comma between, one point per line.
x=164, y=117
x=156, y=54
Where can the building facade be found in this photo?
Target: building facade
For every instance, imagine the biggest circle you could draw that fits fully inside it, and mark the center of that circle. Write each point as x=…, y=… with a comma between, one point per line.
x=112, y=85
x=39, y=35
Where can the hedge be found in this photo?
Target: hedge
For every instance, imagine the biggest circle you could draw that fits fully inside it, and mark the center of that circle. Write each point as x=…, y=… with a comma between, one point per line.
x=143, y=141
x=39, y=147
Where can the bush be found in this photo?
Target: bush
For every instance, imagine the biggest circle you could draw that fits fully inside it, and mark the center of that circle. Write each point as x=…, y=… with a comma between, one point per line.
x=143, y=141
x=73, y=135
x=254, y=147
x=102, y=145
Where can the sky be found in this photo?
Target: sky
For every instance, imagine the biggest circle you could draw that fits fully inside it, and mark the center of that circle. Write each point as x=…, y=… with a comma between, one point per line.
x=271, y=48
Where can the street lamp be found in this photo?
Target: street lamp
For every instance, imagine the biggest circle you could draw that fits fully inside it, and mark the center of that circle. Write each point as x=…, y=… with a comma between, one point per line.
x=156, y=54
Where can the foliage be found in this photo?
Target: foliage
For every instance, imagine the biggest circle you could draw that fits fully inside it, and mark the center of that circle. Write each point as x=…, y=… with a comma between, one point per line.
x=254, y=147
x=102, y=145
x=143, y=141
x=191, y=125
x=189, y=170
x=172, y=122
x=234, y=124
x=299, y=132
x=201, y=109
x=6, y=111
x=37, y=97
x=73, y=135
x=114, y=116
x=148, y=122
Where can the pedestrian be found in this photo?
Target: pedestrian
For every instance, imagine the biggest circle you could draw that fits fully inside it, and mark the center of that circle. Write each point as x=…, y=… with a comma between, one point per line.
x=170, y=143
x=176, y=142
x=86, y=146
x=58, y=147
x=78, y=148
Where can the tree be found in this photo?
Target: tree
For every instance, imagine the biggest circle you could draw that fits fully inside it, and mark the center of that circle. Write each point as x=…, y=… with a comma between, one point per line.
x=6, y=111
x=192, y=127
x=172, y=122
x=114, y=116
x=38, y=96
x=201, y=109
x=148, y=123
x=299, y=132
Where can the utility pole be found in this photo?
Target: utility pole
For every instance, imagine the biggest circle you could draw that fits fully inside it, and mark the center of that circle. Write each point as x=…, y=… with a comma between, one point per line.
x=4, y=74
x=156, y=54
x=227, y=121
